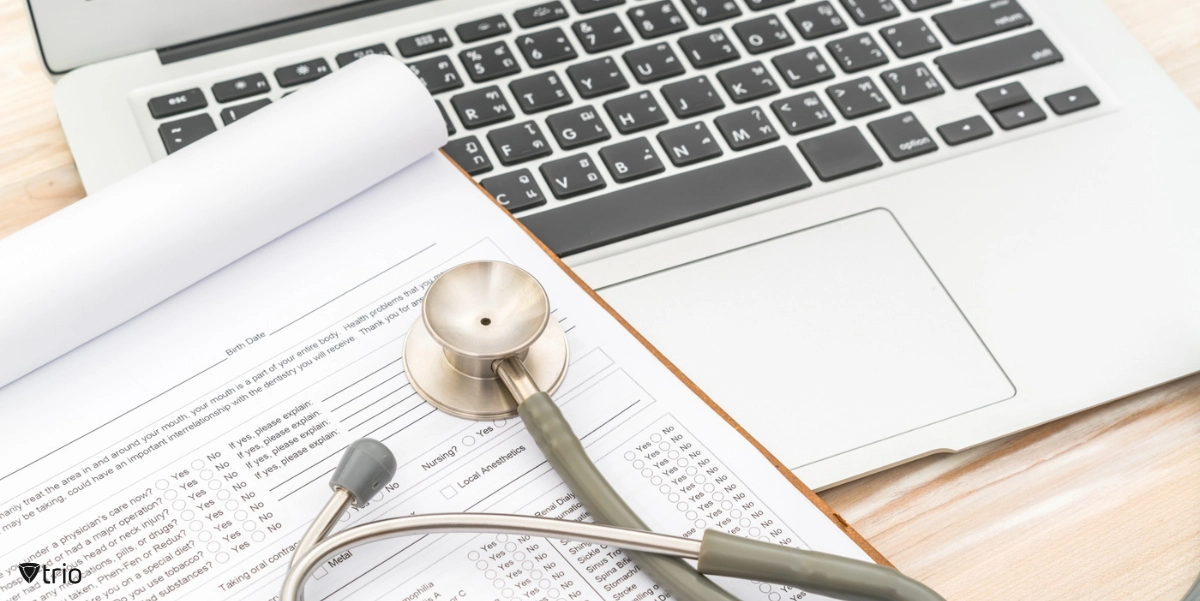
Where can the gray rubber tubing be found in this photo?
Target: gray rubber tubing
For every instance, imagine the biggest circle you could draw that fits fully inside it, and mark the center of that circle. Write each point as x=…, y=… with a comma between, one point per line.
x=724, y=554
x=1193, y=593
x=565, y=453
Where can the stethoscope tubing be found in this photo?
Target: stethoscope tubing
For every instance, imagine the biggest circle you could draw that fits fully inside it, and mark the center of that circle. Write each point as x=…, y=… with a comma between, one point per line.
x=660, y=556
x=482, y=523
x=368, y=465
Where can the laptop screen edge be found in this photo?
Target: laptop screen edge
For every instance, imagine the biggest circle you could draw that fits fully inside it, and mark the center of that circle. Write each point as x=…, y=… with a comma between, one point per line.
x=74, y=33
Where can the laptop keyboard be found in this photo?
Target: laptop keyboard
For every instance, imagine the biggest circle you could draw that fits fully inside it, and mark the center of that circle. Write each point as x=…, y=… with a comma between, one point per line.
x=595, y=121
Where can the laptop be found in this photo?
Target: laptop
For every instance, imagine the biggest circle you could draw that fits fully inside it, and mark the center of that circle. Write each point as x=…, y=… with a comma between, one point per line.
x=873, y=230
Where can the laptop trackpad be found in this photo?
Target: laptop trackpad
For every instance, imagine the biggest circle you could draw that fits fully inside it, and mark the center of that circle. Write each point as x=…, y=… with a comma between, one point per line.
x=820, y=341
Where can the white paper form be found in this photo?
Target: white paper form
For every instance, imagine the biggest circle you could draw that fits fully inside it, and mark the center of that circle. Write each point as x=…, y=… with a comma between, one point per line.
x=182, y=454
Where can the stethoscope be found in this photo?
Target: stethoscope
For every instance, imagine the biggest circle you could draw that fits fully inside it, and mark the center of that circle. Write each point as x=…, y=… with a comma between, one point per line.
x=485, y=348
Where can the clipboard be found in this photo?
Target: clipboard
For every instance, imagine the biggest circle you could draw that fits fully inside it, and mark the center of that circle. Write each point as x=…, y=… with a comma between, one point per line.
x=808, y=493
x=256, y=246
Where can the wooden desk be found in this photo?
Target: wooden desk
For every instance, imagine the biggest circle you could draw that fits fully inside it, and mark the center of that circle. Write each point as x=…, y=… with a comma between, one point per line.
x=1102, y=505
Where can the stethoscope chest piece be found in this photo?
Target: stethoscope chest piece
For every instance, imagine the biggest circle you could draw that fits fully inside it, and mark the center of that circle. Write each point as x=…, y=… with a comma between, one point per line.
x=474, y=315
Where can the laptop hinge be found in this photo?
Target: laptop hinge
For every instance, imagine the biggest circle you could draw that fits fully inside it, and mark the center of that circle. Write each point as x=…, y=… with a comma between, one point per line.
x=278, y=29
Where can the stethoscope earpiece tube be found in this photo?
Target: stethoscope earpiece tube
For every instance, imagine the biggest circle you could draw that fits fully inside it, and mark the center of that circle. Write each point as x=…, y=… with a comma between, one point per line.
x=478, y=523
x=718, y=553
x=824, y=574
x=565, y=453
x=366, y=466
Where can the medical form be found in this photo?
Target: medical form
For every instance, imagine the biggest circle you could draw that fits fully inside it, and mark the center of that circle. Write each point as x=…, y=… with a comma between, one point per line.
x=182, y=454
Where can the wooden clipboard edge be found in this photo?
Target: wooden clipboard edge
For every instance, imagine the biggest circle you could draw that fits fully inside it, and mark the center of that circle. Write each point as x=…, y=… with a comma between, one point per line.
x=838, y=520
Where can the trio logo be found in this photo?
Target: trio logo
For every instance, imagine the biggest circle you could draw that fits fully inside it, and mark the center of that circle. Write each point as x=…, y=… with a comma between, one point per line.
x=29, y=571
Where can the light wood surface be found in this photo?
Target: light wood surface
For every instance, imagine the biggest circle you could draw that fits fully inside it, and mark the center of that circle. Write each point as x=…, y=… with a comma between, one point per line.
x=1101, y=505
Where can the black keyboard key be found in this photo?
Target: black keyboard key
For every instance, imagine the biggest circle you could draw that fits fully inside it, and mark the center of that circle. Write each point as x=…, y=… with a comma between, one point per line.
x=965, y=130
x=910, y=38
x=177, y=134
x=1002, y=97
x=747, y=82
x=857, y=97
x=179, y=102
x=437, y=74
x=546, y=47
x=449, y=124
x=597, y=77
x=346, y=58
x=541, y=14
x=653, y=63
x=587, y=6
x=519, y=143
x=630, y=160
x=711, y=11
x=635, y=112
x=233, y=113
x=911, y=83
x=816, y=20
x=839, y=154
x=924, y=4
x=765, y=4
x=865, y=12
x=802, y=67
x=516, y=190
x=577, y=127
x=1070, y=101
x=689, y=144
x=656, y=19
x=294, y=75
x=981, y=20
x=488, y=62
x=1001, y=58
x=746, y=128
x=1019, y=115
x=481, y=29
x=424, y=43
x=902, y=136
x=692, y=97
x=763, y=34
x=242, y=87
x=572, y=176
x=802, y=113
x=540, y=92
x=654, y=205
x=468, y=153
x=708, y=48
x=481, y=107
x=857, y=52
x=601, y=33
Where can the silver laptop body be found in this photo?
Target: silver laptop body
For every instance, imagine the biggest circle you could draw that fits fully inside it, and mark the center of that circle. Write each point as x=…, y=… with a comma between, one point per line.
x=872, y=230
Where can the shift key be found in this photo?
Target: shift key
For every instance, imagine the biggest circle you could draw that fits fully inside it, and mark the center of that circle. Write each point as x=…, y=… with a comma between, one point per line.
x=1002, y=58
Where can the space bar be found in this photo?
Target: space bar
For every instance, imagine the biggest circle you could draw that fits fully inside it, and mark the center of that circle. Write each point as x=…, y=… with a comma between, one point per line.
x=662, y=203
